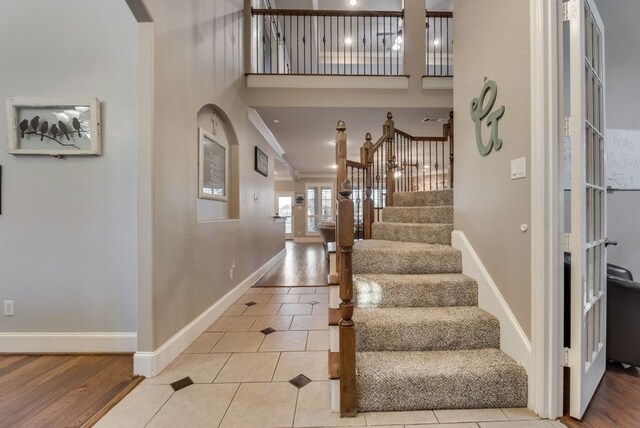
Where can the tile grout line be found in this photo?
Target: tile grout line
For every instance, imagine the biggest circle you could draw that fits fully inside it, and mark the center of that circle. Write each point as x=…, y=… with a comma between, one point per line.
x=230, y=402
x=276, y=367
x=160, y=408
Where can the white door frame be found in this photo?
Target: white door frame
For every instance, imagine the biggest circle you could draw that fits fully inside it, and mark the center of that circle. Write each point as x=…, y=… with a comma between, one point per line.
x=546, y=376
x=290, y=194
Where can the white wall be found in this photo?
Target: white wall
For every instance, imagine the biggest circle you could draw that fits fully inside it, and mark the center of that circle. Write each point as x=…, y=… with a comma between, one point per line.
x=198, y=59
x=492, y=41
x=68, y=226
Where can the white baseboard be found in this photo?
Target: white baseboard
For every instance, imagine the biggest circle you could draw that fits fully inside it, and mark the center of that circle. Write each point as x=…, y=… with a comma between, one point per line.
x=76, y=342
x=308, y=239
x=150, y=364
x=513, y=341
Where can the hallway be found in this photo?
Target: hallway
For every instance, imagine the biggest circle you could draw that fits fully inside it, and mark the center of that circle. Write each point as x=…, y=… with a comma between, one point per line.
x=304, y=265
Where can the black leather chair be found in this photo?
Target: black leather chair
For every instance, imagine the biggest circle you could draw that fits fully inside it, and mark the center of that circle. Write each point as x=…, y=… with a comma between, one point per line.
x=623, y=313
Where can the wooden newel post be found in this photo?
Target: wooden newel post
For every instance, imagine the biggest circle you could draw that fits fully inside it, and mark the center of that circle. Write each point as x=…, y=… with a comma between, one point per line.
x=450, y=131
x=348, y=404
x=391, y=159
x=341, y=175
x=366, y=157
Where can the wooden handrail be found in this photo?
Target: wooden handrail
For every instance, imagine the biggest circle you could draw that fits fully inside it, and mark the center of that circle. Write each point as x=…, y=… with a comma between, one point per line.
x=313, y=12
x=411, y=137
x=354, y=164
x=430, y=14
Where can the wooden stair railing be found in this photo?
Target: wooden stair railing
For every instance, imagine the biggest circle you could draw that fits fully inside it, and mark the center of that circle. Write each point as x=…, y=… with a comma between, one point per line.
x=394, y=155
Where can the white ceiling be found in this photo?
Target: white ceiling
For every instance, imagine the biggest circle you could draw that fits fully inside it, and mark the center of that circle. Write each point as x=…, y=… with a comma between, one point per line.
x=306, y=134
x=434, y=5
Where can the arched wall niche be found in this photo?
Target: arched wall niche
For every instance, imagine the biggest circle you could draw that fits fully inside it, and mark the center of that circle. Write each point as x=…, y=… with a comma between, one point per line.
x=214, y=120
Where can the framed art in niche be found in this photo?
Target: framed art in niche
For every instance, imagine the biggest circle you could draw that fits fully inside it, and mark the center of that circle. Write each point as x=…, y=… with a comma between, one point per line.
x=213, y=167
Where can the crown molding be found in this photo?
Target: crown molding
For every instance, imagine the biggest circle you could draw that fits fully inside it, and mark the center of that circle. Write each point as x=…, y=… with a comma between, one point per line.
x=263, y=129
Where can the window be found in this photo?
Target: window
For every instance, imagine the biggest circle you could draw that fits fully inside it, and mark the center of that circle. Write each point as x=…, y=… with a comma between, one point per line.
x=320, y=202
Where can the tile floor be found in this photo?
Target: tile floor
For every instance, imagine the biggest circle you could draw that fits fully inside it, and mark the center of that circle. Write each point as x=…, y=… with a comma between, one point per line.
x=241, y=376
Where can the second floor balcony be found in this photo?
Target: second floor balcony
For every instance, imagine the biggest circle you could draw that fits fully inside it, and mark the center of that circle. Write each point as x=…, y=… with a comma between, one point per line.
x=348, y=43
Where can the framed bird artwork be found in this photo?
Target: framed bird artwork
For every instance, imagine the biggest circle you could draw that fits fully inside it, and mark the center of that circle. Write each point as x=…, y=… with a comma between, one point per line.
x=54, y=127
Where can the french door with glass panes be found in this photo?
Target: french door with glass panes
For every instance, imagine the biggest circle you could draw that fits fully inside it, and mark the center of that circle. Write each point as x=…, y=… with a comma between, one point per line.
x=319, y=204
x=588, y=203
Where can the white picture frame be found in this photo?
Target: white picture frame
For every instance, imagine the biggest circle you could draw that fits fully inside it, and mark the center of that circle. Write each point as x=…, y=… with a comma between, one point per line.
x=213, y=167
x=63, y=126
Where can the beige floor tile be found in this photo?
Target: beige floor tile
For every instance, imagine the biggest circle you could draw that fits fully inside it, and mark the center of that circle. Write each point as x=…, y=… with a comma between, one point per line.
x=245, y=341
x=195, y=406
x=400, y=418
x=275, y=322
x=322, y=290
x=232, y=324
x=256, y=298
x=320, y=298
x=137, y=408
x=284, y=341
x=318, y=340
x=275, y=290
x=310, y=322
x=470, y=415
x=454, y=425
x=555, y=423
x=517, y=424
x=314, y=410
x=263, y=309
x=262, y=405
x=203, y=343
x=249, y=367
x=302, y=290
x=235, y=310
x=313, y=365
x=285, y=298
x=254, y=290
x=520, y=414
x=320, y=309
x=201, y=368
x=295, y=309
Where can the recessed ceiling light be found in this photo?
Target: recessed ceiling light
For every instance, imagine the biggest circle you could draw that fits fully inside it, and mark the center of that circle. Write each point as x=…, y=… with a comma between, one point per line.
x=353, y=2
x=347, y=40
x=334, y=166
x=436, y=42
x=276, y=121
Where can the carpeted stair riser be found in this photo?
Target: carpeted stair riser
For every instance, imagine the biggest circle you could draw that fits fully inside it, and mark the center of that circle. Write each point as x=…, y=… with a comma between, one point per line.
x=442, y=214
x=386, y=291
x=421, y=199
x=374, y=256
x=410, y=232
x=404, y=381
x=425, y=329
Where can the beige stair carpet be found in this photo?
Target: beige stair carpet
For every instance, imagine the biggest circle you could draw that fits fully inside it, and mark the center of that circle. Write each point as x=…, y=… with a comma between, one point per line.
x=422, y=342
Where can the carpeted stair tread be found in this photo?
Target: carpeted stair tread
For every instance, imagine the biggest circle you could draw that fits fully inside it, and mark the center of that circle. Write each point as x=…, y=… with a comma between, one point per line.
x=425, y=329
x=428, y=233
x=377, y=256
x=429, y=198
x=435, y=214
x=384, y=290
x=402, y=381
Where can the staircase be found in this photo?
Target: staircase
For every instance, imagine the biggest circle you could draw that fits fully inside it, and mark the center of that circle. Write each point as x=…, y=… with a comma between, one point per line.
x=422, y=342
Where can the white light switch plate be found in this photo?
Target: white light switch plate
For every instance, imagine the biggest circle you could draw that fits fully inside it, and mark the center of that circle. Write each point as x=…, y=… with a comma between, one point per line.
x=518, y=168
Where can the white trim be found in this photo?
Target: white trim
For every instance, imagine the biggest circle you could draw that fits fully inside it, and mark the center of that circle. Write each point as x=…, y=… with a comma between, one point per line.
x=429, y=82
x=317, y=176
x=282, y=178
x=308, y=239
x=545, y=376
x=263, y=129
x=513, y=341
x=64, y=342
x=150, y=364
x=326, y=82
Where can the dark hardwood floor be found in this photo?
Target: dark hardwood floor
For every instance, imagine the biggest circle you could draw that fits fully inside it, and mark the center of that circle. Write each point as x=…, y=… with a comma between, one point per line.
x=304, y=265
x=61, y=390
x=616, y=402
